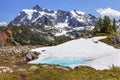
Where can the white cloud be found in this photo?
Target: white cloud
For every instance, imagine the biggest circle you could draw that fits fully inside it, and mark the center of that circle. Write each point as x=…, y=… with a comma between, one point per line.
x=109, y=12
x=3, y=24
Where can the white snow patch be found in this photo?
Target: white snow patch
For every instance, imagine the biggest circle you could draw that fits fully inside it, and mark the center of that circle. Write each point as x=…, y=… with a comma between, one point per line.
x=84, y=28
x=63, y=32
x=61, y=25
x=44, y=13
x=29, y=13
x=75, y=15
x=105, y=62
x=100, y=55
x=80, y=12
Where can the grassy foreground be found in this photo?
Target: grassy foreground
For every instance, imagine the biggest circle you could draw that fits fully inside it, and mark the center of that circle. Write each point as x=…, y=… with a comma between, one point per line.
x=83, y=73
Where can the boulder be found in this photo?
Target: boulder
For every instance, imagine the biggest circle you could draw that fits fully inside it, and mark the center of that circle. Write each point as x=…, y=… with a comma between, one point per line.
x=31, y=55
x=116, y=39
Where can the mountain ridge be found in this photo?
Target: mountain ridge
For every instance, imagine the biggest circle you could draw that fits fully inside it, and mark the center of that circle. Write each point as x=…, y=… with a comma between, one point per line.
x=52, y=18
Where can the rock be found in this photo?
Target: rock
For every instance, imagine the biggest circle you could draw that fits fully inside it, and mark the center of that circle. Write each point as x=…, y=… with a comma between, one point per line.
x=63, y=68
x=116, y=39
x=0, y=71
x=4, y=70
x=46, y=66
x=28, y=57
x=22, y=52
x=11, y=71
x=15, y=66
x=22, y=70
x=55, y=66
x=31, y=55
x=34, y=67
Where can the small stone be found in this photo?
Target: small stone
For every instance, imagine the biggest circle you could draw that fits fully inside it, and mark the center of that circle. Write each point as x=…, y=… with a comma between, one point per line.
x=22, y=70
x=4, y=70
x=34, y=67
x=63, y=68
x=11, y=71
x=15, y=66
x=0, y=71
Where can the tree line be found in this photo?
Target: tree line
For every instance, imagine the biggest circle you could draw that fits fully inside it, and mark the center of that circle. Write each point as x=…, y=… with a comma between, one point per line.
x=105, y=25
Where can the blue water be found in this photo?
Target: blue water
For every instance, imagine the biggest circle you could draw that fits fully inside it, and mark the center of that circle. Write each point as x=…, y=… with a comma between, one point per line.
x=63, y=61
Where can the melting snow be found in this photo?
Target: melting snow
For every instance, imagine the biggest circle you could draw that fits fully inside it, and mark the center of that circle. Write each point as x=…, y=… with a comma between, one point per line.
x=99, y=55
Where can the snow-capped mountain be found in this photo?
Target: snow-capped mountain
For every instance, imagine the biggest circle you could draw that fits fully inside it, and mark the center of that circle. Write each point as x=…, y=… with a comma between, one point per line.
x=61, y=22
x=59, y=18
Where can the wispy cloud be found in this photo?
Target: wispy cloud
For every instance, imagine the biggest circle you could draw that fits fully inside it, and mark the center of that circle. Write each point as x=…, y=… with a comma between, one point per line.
x=3, y=24
x=109, y=12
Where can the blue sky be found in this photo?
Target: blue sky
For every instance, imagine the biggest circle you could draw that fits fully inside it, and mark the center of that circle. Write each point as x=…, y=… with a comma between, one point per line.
x=9, y=9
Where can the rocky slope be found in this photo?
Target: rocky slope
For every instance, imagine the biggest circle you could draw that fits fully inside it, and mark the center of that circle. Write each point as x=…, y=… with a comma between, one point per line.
x=17, y=55
x=25, y=35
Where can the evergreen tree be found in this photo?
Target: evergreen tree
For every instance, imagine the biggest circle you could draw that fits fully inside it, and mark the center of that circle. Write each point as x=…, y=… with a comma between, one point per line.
x=106, y=28
x=98, y=25
x=114, y=25
x=105, y=25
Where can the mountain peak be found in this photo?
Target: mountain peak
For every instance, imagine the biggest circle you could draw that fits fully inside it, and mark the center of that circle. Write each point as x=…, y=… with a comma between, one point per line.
x=38, y=8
